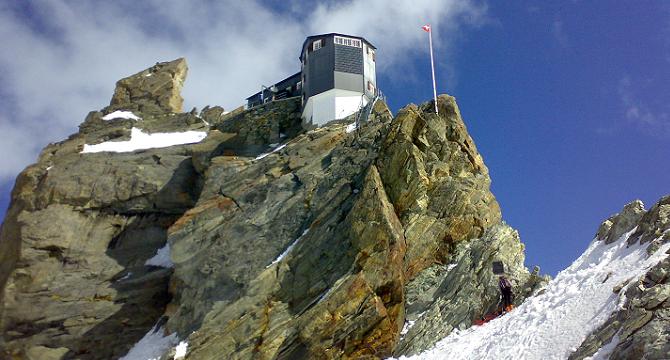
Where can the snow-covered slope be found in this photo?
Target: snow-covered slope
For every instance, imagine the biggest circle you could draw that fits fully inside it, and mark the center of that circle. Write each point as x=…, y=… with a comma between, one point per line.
x=554, y=323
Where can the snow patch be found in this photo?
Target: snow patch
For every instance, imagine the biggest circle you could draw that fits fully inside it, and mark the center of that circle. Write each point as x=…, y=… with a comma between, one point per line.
x=180, y=351
x=288, y=249
x=141, y=141
x=120, y=114
x=162, y=258
x=604, y=352
x=551, y=325
x=271, y=152
x=152, y=346
x=127, y=276
x=408, y=325
x=351, y=127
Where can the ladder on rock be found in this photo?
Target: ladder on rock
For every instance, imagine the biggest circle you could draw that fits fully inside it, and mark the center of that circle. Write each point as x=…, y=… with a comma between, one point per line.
x=365, y=111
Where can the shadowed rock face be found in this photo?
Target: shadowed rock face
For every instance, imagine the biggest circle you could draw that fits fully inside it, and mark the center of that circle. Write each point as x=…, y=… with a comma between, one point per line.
x=78, y=232
x=640, y=328
x=321, y=249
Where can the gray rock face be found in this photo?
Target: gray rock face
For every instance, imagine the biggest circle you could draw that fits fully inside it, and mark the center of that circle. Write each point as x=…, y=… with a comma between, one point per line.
x=453, y=296
x=320, y=248
x=381, y=207
x=81, y=227
x=640, y=329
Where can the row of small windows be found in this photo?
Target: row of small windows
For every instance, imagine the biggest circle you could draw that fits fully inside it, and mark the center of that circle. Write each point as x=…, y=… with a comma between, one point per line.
x=339, y=40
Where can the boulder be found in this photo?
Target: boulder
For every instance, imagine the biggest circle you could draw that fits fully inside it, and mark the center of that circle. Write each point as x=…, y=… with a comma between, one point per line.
x=154, y=90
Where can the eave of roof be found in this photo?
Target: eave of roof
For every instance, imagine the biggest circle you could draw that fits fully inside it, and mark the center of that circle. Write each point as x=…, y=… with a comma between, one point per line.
x=302, y=50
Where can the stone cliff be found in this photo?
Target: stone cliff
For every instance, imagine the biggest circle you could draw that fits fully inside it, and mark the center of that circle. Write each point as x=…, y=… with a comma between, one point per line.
x=285, y=243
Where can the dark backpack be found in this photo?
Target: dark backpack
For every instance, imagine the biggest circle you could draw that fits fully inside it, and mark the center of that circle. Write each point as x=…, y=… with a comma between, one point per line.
x=505, y=284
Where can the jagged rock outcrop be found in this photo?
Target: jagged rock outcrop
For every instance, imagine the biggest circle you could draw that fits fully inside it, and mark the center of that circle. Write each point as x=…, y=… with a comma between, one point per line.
x=437, y=182
x=331, y=297
x=321, y=247
x=616, y=225
x=639, y=329
x=83, y=226
x=154, y=90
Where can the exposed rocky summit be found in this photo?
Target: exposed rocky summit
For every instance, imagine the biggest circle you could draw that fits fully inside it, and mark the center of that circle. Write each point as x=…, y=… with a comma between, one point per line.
x=286, y=243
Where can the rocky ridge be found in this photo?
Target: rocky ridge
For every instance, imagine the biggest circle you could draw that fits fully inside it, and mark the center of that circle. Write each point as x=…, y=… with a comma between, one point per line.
x=322, y=248
x=639, y=329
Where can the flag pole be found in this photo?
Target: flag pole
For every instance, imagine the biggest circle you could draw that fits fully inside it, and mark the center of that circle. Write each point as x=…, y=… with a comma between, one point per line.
x=432, y=65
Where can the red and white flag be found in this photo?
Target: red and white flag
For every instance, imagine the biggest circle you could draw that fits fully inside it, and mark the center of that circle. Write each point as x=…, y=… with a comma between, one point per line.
x=426, y=28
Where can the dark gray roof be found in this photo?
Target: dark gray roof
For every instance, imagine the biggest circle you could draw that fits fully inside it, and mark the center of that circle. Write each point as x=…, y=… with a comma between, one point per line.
x=296, y=75
x=302, y=51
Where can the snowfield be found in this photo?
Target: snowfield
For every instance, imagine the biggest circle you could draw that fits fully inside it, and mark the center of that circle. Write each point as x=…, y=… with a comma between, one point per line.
x=142, y=141
x=553, y=324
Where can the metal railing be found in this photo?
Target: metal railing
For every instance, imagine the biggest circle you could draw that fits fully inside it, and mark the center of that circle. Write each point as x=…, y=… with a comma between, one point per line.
x=365, y=111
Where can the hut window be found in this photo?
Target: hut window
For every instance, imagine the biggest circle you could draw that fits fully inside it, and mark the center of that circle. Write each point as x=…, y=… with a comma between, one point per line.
x=339, y=40
x=371, y=54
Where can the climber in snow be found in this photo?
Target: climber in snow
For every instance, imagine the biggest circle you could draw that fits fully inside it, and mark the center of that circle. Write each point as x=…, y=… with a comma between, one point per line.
x=506, y=293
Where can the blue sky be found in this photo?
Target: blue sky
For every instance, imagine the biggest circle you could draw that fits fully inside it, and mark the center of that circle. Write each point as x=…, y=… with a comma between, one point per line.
x=567, y=101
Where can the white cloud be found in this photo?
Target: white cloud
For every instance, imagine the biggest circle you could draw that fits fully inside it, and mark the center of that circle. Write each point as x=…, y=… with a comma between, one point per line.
x=61, y=58
x=639, y=112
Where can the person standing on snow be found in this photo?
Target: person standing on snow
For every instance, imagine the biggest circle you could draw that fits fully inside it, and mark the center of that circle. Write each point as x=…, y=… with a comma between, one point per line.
x=506, y=292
